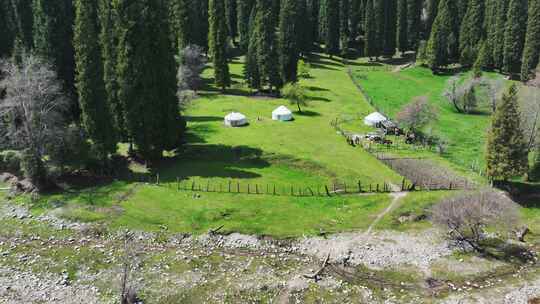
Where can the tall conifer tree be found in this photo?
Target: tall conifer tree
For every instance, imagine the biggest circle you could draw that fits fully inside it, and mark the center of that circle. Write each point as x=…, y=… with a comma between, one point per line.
x=531, y=51
x=182, y=23
x=53, y=36
x=244, y=8
x=514, y=36
x=267, y=47
x=472, y=32
x=108, y=39
x=390, y=30
x=402, y=38
x=371, y=48
x=147, y=76
x=332, y=27
x=506, y=154
x=431, y=10
x=414, y=22
x=231, y=16
x=289, y=49
x=344, y=16
x=218, y=43
x=498, y=37
x=442, y=46
x=95, y=111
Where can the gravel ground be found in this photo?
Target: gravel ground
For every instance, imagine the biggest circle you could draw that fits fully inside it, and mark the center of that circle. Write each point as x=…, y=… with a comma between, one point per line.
x=379, y=250
x=18, y=286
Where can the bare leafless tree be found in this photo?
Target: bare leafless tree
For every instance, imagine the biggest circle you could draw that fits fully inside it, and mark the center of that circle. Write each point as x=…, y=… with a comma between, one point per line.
x=417, y=114
x=191, y=65
x=463, y=96
x=530, y=110
x=34, y=107
x=466, y=216
x=494, y=87
x=130, y=260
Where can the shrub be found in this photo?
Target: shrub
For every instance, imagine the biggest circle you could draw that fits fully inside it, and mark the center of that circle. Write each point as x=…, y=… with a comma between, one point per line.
x=10, y=161
x=467, y=216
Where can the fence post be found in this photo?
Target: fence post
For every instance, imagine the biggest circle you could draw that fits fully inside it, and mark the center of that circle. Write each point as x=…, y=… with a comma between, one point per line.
x=208, y=186
x=238, y=187
x=229, y=186
x=403, y=185
x=267, y=189
x=193, y=185
x=359, y=187
x=377, y=187
x=178, y=183
x=274, y=189
x=292, y=190
x=327, y=192
x=220, y=188
x=248, y=189
x=157, y=179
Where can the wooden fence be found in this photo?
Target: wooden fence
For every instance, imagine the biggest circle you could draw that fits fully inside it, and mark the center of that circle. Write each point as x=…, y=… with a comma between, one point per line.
x=244, y=187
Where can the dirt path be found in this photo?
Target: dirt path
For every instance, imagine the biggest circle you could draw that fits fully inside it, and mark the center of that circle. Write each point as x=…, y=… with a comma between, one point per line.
x=396, y=198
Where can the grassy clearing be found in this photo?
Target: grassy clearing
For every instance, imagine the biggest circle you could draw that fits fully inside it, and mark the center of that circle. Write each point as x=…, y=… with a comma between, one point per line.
x=415, y=205
x=263, y=215
x=391, y=90
x=304, y=151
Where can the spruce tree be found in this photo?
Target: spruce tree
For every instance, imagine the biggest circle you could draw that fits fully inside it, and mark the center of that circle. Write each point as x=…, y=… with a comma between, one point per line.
x=7, y=30
x=147, y=76
x=323, y=22
x=432, y=9
x=332, y=27
x=231, y=16
x=442, y=45
x=514, y=36
x=506, y=154
x=390, y=30
x=371, y=48
x=402, y=38
x=23, y=20
x=491, y=31
x=182, y=23
x=108, y=40
x=289, y=50
x=200, y=23
x=356, y=17
x=251, y=67
x=305, y=24
x=498, y=37
x=218, y=43
x=267, y=47
x=472, y=32
x=95, y=113
x=313, y=7
x=344, y=16
x=244, y=8
x=531, y=51
x=53, y=36
x=414, y=22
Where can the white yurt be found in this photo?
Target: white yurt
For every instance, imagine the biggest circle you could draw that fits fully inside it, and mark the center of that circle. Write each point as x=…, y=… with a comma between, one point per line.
x=374, y=118
x=282, y=114
x=235, y=119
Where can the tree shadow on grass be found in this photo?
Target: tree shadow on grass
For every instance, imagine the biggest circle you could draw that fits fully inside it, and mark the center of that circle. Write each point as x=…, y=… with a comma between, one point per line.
x=209, y=161
x=307, y=113
x=317, y=89
x=318, y=98
x=202, y=118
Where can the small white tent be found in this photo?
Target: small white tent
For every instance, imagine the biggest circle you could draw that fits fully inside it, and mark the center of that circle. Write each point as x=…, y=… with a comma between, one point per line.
x=374, y=118
x=235, y=120
x=282, y=114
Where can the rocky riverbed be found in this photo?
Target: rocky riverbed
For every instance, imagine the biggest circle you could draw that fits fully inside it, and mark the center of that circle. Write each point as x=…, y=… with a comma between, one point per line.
x=45, y=259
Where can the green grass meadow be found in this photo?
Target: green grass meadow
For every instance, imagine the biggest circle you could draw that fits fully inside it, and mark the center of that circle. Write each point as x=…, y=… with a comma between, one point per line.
x=391, y=90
